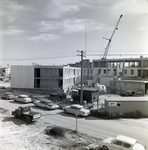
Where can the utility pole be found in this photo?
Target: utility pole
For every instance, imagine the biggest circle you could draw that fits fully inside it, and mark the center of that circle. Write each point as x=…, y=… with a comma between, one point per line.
x=82, y=55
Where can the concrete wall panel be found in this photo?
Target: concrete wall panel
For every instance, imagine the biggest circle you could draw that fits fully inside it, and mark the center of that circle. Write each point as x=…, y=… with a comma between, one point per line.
x=22, y=76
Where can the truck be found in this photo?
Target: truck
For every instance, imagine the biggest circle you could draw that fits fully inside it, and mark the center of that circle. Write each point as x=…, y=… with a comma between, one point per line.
x=25, y=112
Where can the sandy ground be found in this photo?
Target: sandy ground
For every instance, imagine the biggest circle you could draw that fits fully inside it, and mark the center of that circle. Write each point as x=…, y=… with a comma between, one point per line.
x=15, y=134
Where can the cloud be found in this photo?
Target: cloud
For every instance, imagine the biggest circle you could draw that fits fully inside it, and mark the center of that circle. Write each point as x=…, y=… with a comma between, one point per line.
x=11, y=5
x=77, y=25
x=45, y=37
x=132, y=6
x=57, y=9
x=12, y=31
x=11, y=10
x=68, y=26
x=48, y=25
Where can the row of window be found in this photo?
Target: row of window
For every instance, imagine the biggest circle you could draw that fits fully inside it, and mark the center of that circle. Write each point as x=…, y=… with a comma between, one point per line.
x=107, y=71
x=72, y=71
x=132, y=71
x=87, y=71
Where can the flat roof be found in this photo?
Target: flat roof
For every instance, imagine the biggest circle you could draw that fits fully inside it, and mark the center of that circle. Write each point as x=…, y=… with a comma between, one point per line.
x=122, y=59
x=91, y=89
x=127, y=99
x=136, y=81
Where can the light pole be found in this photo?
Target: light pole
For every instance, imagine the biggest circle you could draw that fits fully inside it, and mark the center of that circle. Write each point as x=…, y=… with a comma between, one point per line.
x=81, y=95
x=76, y=114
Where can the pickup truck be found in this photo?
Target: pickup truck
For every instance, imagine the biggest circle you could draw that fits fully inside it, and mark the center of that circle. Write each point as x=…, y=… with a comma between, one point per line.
x=26, y=114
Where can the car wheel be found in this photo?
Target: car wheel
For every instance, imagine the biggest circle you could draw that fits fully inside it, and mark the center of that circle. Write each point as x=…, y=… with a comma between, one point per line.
x=79, y=115
x=65, y=111
x=15, y=115
x=105, y=148
x=28, y=119
x=46, y=108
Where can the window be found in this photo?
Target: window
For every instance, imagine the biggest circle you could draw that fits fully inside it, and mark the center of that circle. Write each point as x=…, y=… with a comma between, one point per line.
x=72, y=107
x=126, y=145
x=60, y=72
x=99, y=70
x=125, y=71
x=37, y=72
x=118, y=142
x=60, y=83
x=104, y=71
x=37, y=83
x=132, y=71
x=95, y=64
x=108, y=71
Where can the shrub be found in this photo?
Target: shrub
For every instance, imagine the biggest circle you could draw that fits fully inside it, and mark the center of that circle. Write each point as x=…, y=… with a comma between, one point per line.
x=138, y=114
x=132, y=114
x=55, y=131
x=126, y=115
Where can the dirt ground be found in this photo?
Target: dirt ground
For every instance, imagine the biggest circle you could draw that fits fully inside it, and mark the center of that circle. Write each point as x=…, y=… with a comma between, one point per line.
x=15, y=134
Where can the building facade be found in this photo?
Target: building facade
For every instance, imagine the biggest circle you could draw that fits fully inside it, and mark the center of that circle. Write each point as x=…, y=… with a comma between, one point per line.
x=87, y=69
x=130, y=67
x=44, y=78
x=126, y=69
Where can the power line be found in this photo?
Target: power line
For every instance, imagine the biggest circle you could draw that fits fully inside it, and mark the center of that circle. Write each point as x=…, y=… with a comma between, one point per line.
x=53, y=57
x=118, y=54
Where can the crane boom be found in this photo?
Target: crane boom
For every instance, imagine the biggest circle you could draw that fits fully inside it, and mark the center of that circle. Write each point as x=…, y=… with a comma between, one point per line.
x=109, y=40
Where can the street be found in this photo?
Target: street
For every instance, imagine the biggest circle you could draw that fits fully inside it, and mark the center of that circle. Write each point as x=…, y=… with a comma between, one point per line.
x=100, y=128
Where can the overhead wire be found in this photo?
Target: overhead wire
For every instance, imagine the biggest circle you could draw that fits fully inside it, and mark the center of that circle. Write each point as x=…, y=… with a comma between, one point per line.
x=51, y=57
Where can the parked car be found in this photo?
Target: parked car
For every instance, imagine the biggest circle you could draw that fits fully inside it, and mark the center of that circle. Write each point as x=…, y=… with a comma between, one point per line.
x=8, y=95
x=26, y=114
x=47, y=104
x=2, y=87
x=120, y=143
x=23, y=99
x=77, y=109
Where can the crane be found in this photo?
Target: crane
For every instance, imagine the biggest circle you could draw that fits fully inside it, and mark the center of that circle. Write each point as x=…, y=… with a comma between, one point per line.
x=109, y=40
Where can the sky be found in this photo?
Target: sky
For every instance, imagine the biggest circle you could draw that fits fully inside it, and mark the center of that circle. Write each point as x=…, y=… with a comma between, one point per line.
x=52, y=32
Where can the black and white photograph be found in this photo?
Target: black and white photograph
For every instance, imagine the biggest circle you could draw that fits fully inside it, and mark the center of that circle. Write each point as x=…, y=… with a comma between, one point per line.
x=73, y=75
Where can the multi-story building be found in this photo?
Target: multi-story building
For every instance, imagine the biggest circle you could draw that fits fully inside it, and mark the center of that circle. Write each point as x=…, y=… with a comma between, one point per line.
x=87, y=69
x=86, y=64
x=105, y=71
x=44, y=79
x=129, y=67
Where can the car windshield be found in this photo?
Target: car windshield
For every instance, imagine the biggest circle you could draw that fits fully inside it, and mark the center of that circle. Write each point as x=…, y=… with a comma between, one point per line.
x=126, y=145
x=25, y=109
x=51, y=104
x=22, y=96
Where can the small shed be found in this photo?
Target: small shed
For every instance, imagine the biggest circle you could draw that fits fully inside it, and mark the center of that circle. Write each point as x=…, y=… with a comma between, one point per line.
x=129, y=106
x=89, y=93
x=57, y=97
